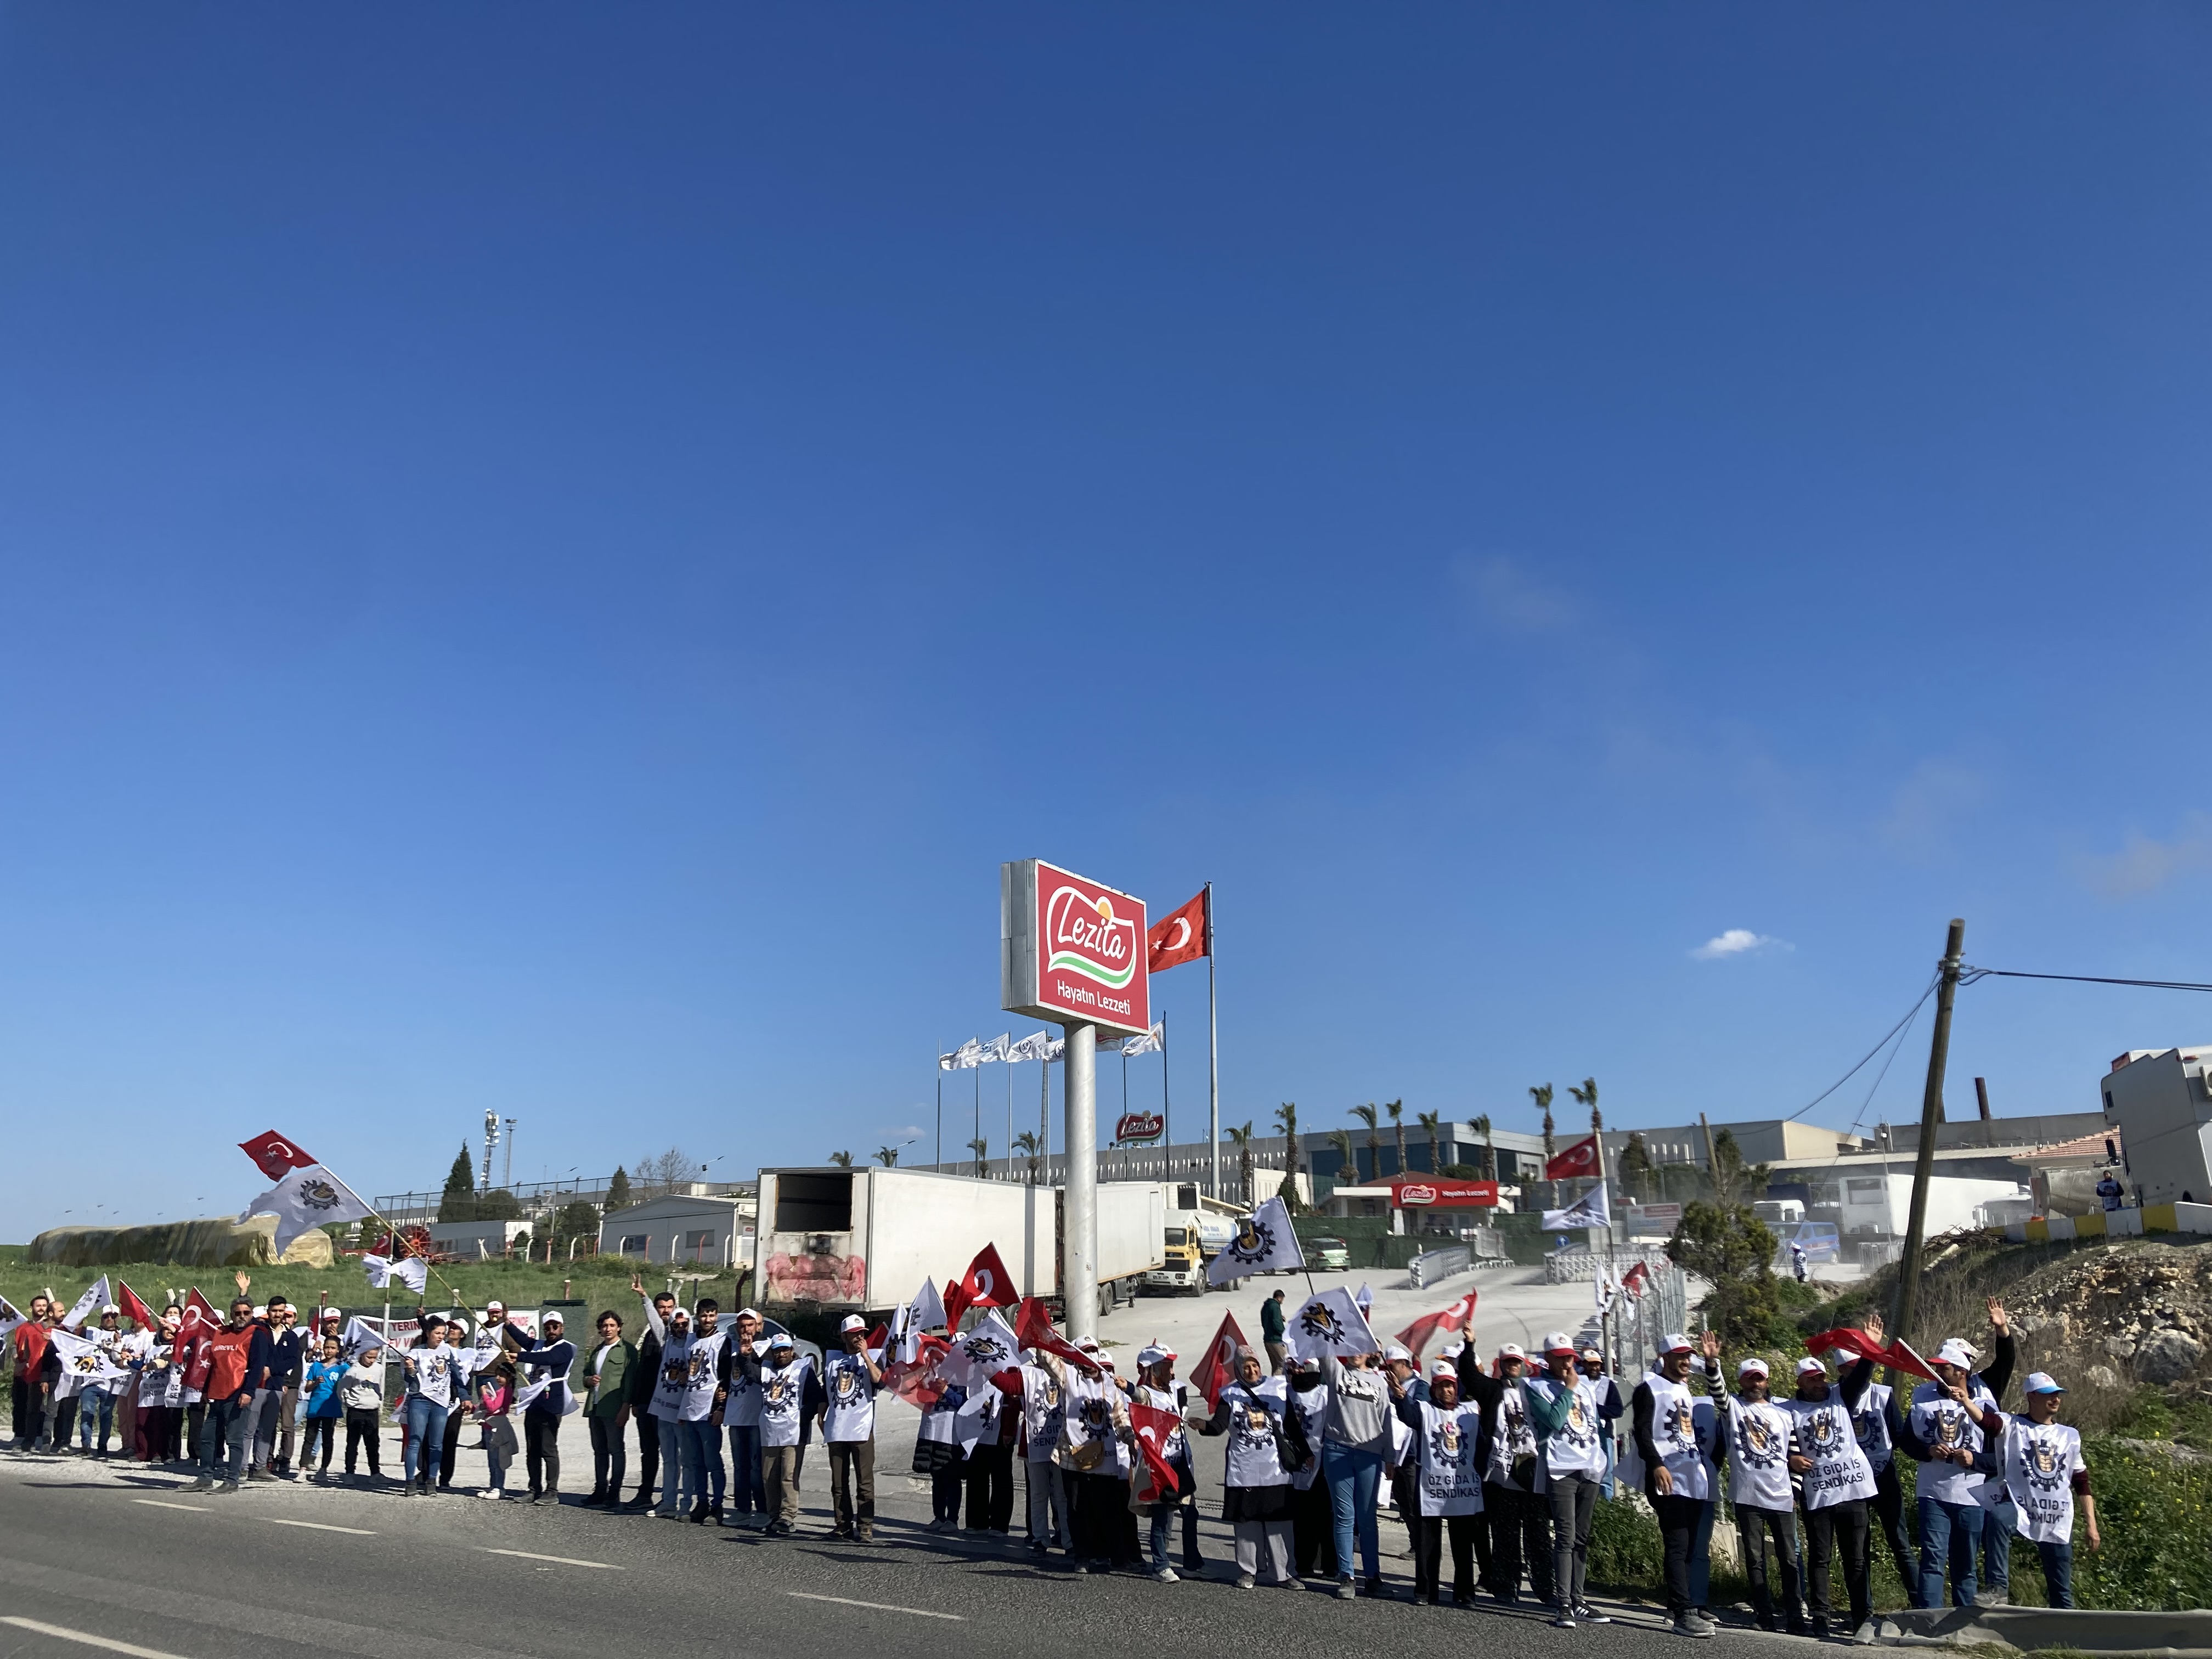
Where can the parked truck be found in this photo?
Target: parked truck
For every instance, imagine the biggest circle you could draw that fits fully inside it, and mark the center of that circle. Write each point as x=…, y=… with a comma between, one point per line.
x=1197, y=1231
x=862, y=1241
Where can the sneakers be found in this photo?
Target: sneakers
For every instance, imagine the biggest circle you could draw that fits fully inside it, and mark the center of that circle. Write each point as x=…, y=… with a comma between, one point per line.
x=1864, y=1636
x=493, y=1492
x=1590, y=1615
x=1375, y=1588
x=1689, y=1624
x=1291, y=1584
x=227, y=1487
x=205, y=1483
x=1562, y=1619
x=1344, y=1591
x=1245, y=1581
x=1165, y=1576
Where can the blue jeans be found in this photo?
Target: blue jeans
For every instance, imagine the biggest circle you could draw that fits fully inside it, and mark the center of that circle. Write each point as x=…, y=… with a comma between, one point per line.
x=1701, y=1557
x=1998, y=1525
x=95, y=1403
x=1162, y=1529
x=225, y=1435
x=1950, y=1531
x=426, y=1438
x=748, y=1495
x=2057, y=1572
x=682, y=1470
x=702, y=1450
x=1353, y=1477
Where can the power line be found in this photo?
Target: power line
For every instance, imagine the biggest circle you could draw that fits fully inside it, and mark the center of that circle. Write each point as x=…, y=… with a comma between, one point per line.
x=1869, y=1056
x=1968, y=976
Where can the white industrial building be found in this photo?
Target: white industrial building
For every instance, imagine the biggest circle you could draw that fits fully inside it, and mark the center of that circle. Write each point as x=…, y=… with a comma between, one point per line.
x=2160, y=1100
x=687, y=1229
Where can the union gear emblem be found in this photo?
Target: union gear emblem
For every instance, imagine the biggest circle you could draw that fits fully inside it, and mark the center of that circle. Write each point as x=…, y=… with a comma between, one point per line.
x=318, y=1195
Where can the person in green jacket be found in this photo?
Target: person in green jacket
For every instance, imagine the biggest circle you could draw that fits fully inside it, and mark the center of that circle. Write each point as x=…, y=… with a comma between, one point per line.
x=1270, y=1333
x=606, y=1373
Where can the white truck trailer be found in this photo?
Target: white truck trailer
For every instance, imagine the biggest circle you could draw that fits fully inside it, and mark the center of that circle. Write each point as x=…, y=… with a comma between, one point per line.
x=862, y=1241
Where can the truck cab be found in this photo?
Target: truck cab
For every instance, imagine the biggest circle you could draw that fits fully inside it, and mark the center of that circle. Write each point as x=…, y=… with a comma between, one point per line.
x=1182, y=1267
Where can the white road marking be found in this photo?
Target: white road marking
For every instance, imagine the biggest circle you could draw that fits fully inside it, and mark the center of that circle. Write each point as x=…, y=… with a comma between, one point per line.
x=89, y=1639
x=565, y=1560
x=157, y=1503
x=319, y=1526
x=880, y=1607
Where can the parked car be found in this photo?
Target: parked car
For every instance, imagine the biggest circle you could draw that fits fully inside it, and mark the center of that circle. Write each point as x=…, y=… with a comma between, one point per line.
x=1329, y=1252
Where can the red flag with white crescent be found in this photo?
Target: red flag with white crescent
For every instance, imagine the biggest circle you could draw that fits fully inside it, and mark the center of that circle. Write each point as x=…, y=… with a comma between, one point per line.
x=1457, y=1318
x=986, y=1284
x=1181, y=936
x=1153, y=1427
x=277, y=1155
x=1575, y=1162
x=133, y=1307
x=1218, y=1368
x=1033, y=1330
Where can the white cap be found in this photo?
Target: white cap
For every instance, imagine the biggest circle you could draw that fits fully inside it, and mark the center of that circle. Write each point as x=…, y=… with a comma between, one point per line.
x=1397, y=1351
x=1592, y=1353
x=1558, y=1342
x=1956, y=1351
x=1754, y=1366
x=495, y=1303
x=679, y=1312
x=780, y=1339
x=552, y=1317
x=1512, y=1351
x=1151, y=1354
x=110, y=1308
x=1441, y=1367
x=1675, y=1342
x=851, y=1322
x=261, y=1313
x=2042, y=1383
x=1809, y=1366
x=747, y=1312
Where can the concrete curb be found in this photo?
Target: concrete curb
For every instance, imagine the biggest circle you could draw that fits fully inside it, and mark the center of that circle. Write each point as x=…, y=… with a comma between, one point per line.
x=2166, y=1635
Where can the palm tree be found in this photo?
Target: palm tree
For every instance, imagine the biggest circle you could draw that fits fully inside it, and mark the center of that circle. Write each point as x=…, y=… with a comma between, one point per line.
x=1542, y=1096
x=1030, y=1147
x=1397, y=1111
x=1243, y=1139
x=1587, y=1096
x=842, y=1160
x=982, y=1147
x=888, y=1157
x=1341, y=1139
x=1372, y=1118
x=1433, y=1122
x=1286, y=1116
x=1481, y=1126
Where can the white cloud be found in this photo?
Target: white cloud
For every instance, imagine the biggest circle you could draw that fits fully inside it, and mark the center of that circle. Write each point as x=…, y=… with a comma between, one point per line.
x=1508, y=597
x=2143, y=866
x=1738, y=942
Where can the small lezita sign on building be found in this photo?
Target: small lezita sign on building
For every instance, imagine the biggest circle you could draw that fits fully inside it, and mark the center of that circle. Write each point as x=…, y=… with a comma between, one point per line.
x=1070, y=949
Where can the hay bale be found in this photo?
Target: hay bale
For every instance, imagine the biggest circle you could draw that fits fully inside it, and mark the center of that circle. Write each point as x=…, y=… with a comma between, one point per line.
x=213, y=1242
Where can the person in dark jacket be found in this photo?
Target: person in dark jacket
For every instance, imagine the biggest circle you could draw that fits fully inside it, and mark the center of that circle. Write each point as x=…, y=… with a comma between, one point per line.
x=544, y=1358
x=645, y=1376
x=273, y=1432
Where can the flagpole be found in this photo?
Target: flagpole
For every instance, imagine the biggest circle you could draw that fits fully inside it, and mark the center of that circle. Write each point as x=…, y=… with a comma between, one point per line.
x=1010, y=1120
x=940, y=1111
x=1213, y=1055
x=1167, y=1132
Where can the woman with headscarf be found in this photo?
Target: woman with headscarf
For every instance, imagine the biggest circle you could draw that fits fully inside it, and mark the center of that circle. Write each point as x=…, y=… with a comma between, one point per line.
x=1266, y=1446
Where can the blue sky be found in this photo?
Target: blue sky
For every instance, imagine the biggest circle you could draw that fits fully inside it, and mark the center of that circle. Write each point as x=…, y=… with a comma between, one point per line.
x=546, y=557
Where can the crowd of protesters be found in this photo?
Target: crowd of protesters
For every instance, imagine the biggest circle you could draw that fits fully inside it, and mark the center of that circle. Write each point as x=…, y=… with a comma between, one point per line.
x=1501, y=1462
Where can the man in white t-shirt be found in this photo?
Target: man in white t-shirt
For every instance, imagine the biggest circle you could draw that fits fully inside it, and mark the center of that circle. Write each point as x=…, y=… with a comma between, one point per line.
x=2047, y=1478
x=850, y=1378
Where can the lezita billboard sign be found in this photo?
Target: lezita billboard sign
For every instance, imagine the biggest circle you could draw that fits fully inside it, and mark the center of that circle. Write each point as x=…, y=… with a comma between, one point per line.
x=1070, y=949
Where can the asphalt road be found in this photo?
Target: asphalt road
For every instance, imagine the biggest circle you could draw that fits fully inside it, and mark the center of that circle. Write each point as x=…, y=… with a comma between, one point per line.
x=135, y=1558
x=132, y=1556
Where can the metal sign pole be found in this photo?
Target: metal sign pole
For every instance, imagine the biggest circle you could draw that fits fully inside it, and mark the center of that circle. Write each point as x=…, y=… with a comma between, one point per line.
x=1079, y=1276
x=1213, y=1055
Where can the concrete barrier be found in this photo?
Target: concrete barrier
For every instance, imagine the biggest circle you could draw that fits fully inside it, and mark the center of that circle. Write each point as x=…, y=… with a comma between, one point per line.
x=2168, y=1635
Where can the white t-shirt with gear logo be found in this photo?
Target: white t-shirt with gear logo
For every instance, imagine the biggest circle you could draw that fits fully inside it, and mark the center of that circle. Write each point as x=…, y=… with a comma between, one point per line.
x=1447, y=1479
x=851, y=1413
x=2040, y=1462
x=1822, y=1430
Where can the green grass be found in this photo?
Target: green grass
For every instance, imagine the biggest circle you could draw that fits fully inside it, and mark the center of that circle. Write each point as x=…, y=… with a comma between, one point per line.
x=598, y=1281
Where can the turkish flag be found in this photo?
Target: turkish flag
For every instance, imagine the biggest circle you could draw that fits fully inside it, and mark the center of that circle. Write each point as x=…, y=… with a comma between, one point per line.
x=277, y=1155
x=133, y=1307
x=1578, y=1160
x=1218, y=1368
x=1184, y=936
x=1457, y=1318
x=1033, y=1330
x=1152, y=1427
x=1636, y=1281
x=1897, y=1356
x=986, y=1284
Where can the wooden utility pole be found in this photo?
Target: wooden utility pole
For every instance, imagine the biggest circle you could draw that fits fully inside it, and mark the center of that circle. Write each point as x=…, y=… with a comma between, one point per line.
x=1931, y=1114
x=1712, y=1169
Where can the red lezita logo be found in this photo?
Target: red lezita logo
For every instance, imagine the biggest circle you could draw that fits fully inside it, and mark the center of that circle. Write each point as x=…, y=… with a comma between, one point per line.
x=1086, y=937
x=1414, y=1192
